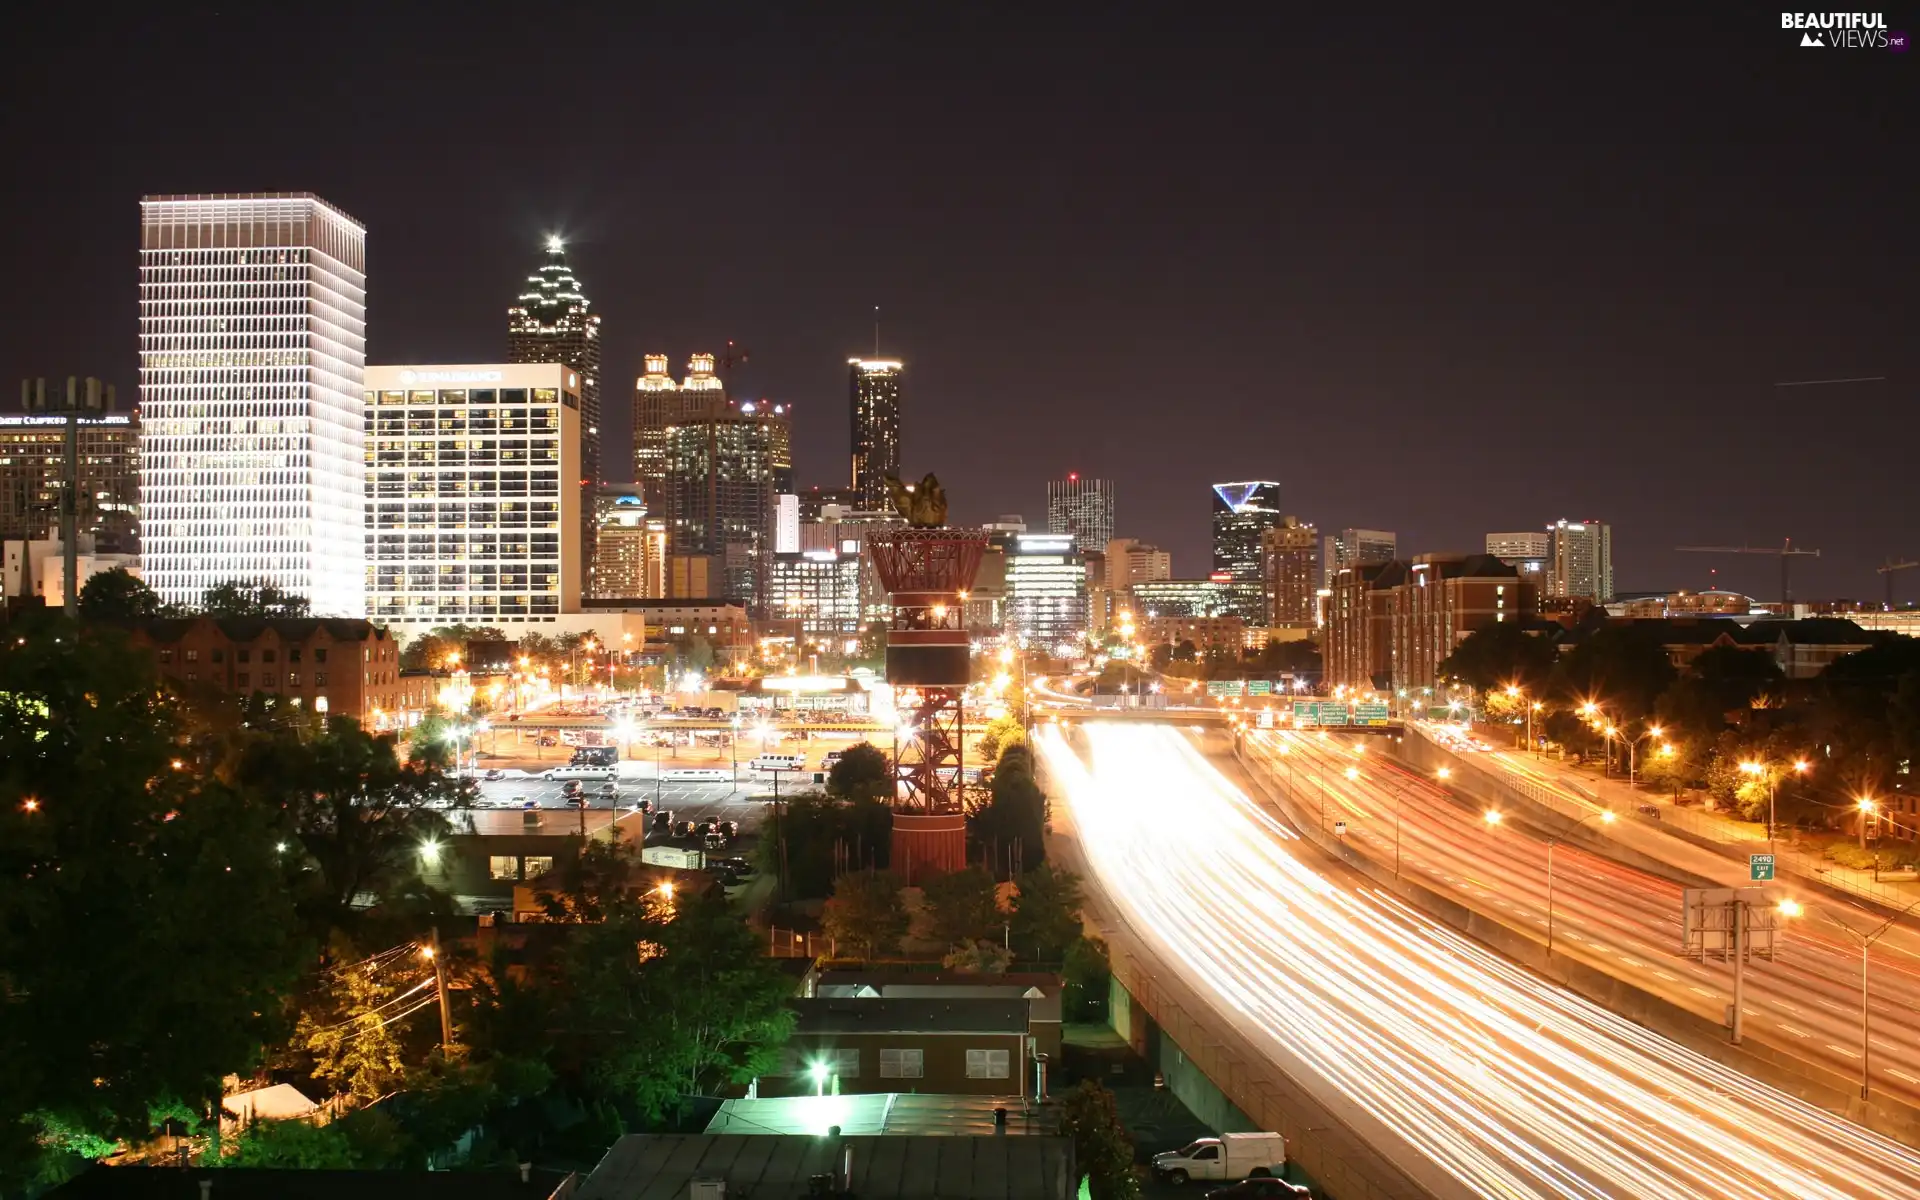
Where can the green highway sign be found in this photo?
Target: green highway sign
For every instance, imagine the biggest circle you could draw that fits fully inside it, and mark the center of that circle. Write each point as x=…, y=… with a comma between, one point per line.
x=1760, y=866
x=1259, y=687
x=1370, y=714
x=1226, y=687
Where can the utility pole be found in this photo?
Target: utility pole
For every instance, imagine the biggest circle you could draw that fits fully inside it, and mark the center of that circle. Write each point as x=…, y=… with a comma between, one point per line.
x=90, y=396
x=440, y=986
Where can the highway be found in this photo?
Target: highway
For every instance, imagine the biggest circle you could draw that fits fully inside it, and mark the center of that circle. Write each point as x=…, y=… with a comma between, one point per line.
x=1469, y=1073
x=1805, y=1002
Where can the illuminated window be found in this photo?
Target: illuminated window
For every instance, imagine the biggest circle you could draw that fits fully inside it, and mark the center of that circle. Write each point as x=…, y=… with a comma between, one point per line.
x=503, y=866
x=902, y=1064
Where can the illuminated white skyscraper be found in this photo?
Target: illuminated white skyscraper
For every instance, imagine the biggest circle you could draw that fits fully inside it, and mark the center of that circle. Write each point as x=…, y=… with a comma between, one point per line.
x=252, y=349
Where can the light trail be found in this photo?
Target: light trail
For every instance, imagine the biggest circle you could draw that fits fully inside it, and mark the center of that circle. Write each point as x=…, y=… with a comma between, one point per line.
x=1508, y=1085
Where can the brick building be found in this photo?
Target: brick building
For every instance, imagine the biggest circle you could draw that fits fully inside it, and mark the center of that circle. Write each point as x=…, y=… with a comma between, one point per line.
x=342, y=667
x=1393, y=624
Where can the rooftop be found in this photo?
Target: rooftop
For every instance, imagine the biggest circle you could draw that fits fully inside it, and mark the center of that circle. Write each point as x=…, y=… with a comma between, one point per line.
x=662, y=1167
x=921, y=1015
x=871, y=1114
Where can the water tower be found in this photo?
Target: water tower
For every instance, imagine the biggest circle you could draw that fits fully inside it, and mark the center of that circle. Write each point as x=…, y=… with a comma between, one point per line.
x=928, y=572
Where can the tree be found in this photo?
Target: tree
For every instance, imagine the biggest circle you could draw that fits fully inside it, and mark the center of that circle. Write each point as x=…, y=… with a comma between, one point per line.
x=1499, y=656
x=427, y=652
x=1186, y=651
x=118, y=595
x=145, y=929
x=1622, y=668
x=981, y=957
x=1723, y=681
x=962, y=906
x=251, y=598
x=1001, y=732
x=1011, y=826
x=1102, y=1151
x=1160, y=656
x=861, y=774
x=351, y=1033
x=1089, y=973
x=811, y=838
x=359, y=818
x=294, y=1145
x=1046, y=911
x=866, y=911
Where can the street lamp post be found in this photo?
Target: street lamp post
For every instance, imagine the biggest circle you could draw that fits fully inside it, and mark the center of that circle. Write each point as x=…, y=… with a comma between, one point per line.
x=1605, y=818
x=1866, y=941
x=1753, y=767
x=733, y=746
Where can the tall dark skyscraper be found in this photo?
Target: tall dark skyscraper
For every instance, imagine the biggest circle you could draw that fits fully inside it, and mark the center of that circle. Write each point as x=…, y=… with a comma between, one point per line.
x=658, y=404
x=554, y=323
x=723, y=470
x=1242, y=513
x=874, y=400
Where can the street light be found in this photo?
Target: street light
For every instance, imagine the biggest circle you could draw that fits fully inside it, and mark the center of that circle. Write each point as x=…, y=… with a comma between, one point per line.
x=1866, y=806
x=1757, y=768
x=1632, y=744
x=1605, y=818
x=1866, y=941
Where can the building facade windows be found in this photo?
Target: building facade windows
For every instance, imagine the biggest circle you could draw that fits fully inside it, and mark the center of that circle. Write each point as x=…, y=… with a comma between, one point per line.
x=252, y=347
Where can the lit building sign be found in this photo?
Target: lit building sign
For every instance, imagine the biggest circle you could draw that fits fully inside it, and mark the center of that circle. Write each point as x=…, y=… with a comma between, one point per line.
x=410, y=377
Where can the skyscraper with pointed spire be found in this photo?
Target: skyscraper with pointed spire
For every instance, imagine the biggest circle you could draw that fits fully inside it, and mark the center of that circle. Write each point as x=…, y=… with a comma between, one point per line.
x=553, y=322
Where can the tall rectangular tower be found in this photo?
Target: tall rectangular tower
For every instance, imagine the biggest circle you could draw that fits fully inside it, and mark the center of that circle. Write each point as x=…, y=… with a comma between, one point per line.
x=1081, y=507
x=472, y=514
x=554, y=322
x=724, y=470
x=1290, y=566
x=252, y=352
x=1580, y=560
x=873, y=387
x=1242, y=513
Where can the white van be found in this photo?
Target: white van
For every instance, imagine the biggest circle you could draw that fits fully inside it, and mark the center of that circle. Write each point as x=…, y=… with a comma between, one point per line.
x=696, y=775
x=780, y=762
x=579, y=772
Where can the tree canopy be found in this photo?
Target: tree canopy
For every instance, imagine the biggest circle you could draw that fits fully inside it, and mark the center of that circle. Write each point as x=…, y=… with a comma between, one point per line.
x=251, y=598
x=1501, y=655
x=146, y=932
x=118, y=595
x=863, y=773
x=866, y=911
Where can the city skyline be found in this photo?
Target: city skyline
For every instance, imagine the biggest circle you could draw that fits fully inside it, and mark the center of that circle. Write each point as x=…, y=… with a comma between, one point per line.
x=1341, y=338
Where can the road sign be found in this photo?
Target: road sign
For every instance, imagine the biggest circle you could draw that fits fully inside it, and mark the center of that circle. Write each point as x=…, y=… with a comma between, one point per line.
x=1369, y=714
x=1760, y=867
x=1334, y=714
x=1339, y=829
x=1305, y=712
x=1226, y=687
x=1259, y=687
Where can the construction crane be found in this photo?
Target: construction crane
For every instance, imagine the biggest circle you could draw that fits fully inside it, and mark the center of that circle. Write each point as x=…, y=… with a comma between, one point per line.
x=1786, y=553
x=1887, y=569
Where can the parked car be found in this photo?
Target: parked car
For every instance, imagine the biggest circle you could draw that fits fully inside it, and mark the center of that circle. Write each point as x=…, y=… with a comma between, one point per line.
x=610, y=790
x=546, y=740
x=663, y=821
x=739, y=866
x=730, y=828
x=1651, y=811
x=572, y=788
x=493, y=773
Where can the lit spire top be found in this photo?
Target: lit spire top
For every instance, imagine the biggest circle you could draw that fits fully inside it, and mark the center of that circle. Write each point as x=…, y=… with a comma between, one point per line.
x=552, y=300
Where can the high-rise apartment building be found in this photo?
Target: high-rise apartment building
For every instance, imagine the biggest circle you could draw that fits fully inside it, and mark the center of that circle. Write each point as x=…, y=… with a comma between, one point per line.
x=1082, y=507
x=1391, y=625
x=553, y=322
x=725, y=469
x=33, y=457
x=873, y=386
x=1242, y=513
x=1130, y=561
x=472, y=512
x=1527, y=553
x=1357, y=548
x=630, y=552
x=252, y=353
x=1290, y=573
x=1580, y=560
x=658, y=403
x=1184, y=598
x=1046, y=590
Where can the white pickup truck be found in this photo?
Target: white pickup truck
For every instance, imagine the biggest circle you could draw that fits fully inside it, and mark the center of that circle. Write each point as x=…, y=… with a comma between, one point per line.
x=1229, y=1156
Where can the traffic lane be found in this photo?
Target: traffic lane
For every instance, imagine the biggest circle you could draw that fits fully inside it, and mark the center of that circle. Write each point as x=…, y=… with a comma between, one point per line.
x=1517, y=1087
x=1599, y=906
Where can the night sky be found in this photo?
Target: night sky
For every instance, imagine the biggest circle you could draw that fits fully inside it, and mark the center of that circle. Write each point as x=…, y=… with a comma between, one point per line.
x=1444, y=271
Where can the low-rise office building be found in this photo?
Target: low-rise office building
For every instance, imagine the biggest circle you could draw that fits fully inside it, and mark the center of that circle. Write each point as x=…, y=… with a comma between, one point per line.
x=852, y=1045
